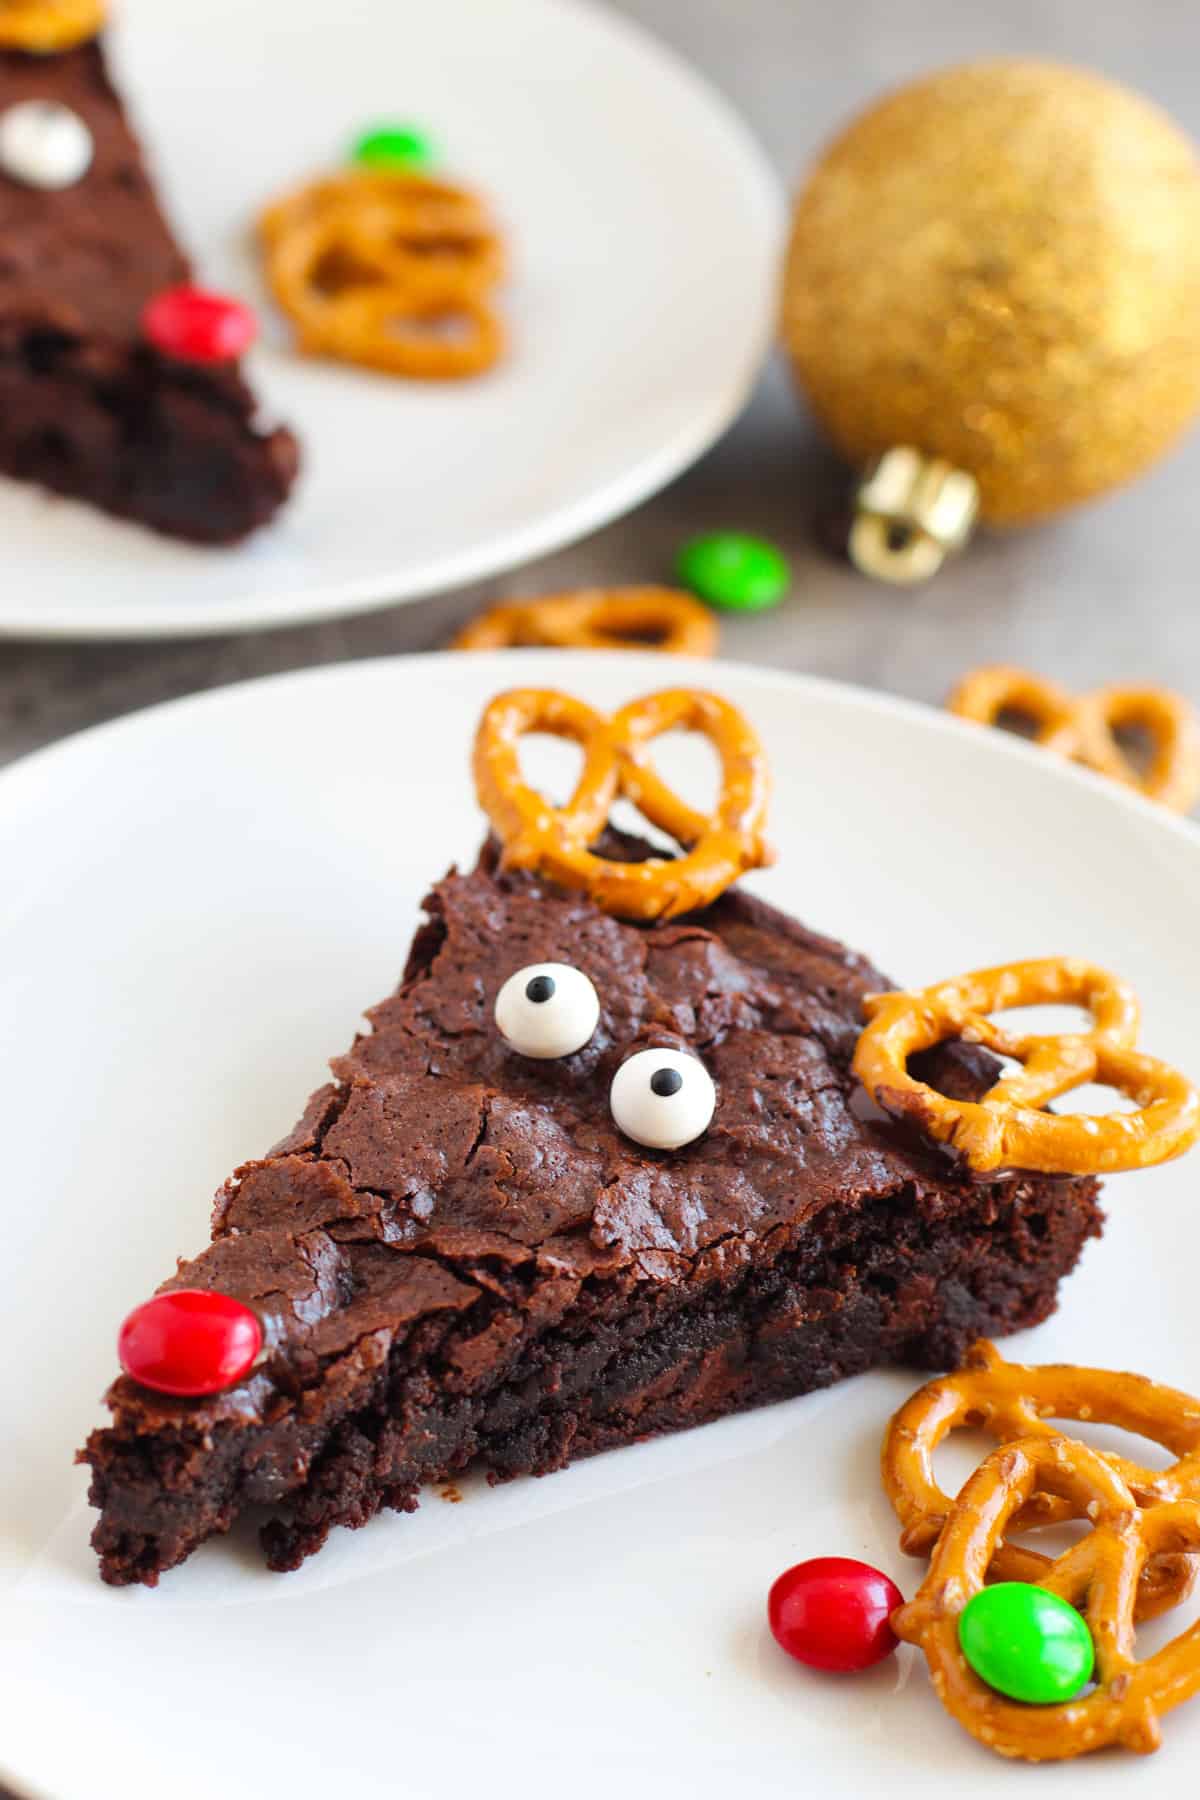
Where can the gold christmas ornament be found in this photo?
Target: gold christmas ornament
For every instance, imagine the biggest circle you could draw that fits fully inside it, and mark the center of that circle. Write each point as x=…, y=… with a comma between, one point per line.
x=995, y=272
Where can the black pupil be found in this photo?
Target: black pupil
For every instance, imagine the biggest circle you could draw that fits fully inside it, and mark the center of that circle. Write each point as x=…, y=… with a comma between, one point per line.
x=665, y=1082
x=540, y=989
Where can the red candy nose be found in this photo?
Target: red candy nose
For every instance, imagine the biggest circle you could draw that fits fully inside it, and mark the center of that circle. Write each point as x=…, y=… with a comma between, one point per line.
x=189, y=1342
x=196, y=326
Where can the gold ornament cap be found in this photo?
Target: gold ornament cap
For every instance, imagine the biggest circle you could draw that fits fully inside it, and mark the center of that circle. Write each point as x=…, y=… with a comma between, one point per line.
x=911, y=513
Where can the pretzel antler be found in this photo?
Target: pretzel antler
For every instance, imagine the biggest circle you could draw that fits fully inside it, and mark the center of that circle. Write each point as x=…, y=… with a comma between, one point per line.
x=43, y=26
x=556, y=840
x=1007, y=1128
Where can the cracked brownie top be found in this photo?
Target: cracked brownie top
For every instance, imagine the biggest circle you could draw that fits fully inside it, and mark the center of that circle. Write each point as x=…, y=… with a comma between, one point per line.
x=440, y=1166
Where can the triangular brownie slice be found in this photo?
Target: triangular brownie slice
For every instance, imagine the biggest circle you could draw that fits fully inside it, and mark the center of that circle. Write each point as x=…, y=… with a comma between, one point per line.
x=87, y=406
x=458, y=1258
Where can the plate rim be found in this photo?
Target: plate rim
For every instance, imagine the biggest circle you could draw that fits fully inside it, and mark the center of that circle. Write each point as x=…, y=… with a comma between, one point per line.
x=501, y=554
x=35, y=765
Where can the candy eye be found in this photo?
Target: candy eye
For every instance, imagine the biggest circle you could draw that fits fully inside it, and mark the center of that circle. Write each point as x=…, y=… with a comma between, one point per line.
x=44, y=144
x=662, y=1098
x=547, y=1010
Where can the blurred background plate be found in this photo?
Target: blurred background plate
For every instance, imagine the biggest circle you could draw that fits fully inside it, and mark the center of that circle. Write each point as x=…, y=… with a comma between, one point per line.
x=644, y=225
x=198, y=902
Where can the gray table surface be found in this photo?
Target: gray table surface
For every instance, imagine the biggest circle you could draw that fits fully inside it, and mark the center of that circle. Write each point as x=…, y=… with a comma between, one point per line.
x=1108, y=592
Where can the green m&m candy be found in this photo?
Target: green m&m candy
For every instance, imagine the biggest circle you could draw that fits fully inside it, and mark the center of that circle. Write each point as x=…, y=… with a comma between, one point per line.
x=734, y=571
x=1026, y=1642
x=393, y=147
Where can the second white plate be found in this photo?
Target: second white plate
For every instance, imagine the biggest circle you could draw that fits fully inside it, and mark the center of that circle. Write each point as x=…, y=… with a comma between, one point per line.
x=644, y=225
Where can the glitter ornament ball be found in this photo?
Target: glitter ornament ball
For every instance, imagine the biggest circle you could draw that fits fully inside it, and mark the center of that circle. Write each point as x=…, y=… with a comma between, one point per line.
x=998, y=267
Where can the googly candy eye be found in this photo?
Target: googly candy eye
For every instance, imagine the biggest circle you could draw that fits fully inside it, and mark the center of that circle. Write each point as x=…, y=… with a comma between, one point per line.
x=662, y=1098
x=547, y=1010
x=44, y=144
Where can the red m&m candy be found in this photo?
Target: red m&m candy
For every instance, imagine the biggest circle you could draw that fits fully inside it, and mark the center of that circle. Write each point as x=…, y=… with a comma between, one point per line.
x=197, y=326
x=833, y=1613
x=189, y=1342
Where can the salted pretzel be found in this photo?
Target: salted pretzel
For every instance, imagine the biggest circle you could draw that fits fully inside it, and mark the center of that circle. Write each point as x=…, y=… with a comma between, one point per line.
x=387, y=268
x=43, y=26
x=1011, y=1401
x=632, y=618
x=1100, y=1574
x=555, y=841
x=1007, y=1128
x=1084, y=727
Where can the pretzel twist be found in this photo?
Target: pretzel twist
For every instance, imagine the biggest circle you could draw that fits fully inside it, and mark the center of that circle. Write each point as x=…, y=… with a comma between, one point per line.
x=1084, y=727
x=1007, y=1129
x=555, y=841
x=1100, y=1574
x=44, y=26
x=1011, y=1401
x=393, y=270
x=632, y=618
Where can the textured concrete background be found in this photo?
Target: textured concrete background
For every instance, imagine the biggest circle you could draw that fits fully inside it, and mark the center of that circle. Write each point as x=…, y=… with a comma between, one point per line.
x=1109, y=592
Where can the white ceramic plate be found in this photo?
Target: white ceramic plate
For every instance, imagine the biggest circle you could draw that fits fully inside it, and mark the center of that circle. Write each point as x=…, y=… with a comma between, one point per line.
x=644, y=225
x=197, y=902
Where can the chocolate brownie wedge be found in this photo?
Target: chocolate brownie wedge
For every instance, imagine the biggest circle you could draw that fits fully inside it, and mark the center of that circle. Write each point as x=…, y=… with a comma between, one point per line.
x=458, y=1258
x=87, y=406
